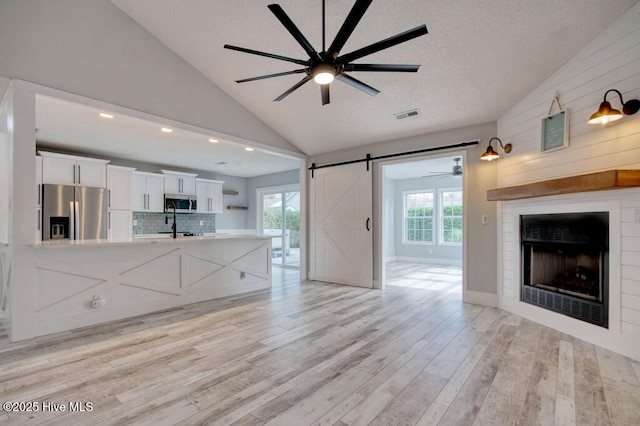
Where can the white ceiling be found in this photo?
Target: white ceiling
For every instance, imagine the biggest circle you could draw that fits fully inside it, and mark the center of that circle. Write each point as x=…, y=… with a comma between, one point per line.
x=478, y=60
x=70, y=126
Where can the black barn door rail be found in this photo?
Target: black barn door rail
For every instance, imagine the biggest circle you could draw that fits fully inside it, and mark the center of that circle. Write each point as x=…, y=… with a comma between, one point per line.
x=369, y=158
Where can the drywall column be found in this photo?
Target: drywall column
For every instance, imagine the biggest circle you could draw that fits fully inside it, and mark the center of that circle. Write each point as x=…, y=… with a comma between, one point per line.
x=22, y=213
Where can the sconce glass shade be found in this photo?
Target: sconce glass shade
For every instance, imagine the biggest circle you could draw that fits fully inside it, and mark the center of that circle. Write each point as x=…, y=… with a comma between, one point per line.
x=605, y=114
x=489, y=154
x=324, y=74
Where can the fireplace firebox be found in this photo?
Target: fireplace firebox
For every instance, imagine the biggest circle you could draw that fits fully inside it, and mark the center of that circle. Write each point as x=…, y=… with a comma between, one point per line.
x=565, y=261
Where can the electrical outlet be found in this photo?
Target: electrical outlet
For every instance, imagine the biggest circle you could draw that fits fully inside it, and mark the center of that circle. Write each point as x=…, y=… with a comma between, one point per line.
x=485, y=219
x=98, y=302
x=201, y=222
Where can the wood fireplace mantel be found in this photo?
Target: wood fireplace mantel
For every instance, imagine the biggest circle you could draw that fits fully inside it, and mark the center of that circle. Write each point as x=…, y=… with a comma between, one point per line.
x=599, y=181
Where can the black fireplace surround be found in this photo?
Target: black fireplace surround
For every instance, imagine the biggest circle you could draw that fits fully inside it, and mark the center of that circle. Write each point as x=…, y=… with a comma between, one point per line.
x=565, y=263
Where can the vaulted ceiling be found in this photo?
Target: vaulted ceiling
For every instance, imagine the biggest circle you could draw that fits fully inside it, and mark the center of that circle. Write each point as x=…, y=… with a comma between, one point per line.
x=478, y=59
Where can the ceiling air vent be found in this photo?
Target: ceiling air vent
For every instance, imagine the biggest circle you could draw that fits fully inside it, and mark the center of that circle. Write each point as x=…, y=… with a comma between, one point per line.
x=407, y=114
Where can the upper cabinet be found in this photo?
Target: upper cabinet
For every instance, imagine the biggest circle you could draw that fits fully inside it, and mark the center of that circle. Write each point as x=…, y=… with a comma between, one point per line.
x=62, y=169
x=38, y=182
x=120, y=187
x=179, y=183
x=209, y=195
x=148, y=192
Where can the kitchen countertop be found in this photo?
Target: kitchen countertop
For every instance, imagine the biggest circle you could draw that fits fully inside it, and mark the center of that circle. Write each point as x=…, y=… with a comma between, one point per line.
x=146, y=239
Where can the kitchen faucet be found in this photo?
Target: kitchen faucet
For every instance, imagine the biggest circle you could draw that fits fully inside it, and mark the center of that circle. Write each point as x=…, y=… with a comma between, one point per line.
x=174, y=234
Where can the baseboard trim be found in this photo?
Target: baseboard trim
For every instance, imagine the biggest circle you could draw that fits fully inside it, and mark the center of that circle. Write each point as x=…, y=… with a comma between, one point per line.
x=480, y=298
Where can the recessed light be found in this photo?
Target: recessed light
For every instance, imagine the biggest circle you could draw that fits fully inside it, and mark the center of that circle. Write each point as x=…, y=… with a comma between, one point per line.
x=166, y=130
x=106, y=115
x=248, y=149
x=213, y=140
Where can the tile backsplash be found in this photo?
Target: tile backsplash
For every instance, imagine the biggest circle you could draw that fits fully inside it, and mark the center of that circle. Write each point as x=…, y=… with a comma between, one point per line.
x=153, y=223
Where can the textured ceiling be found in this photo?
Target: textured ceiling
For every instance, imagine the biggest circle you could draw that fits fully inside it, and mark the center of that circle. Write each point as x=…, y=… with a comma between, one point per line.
x=478, y=60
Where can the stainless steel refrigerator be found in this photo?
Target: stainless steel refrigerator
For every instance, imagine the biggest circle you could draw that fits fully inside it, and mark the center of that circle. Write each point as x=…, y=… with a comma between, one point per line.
x=73, y=212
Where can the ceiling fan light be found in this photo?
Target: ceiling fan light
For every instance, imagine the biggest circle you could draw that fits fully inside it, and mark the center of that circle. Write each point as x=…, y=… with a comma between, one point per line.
x=324, y=74
x=605, y=114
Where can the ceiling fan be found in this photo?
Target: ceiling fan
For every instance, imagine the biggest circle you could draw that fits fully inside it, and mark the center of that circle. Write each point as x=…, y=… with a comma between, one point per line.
x=328, y=64
x=456, y=170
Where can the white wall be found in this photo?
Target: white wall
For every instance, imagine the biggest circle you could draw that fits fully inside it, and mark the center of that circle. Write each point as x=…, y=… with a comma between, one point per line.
x=91, y=48
x=480, y=249
x=611, y=60
x=233, y=219
x=388, y=212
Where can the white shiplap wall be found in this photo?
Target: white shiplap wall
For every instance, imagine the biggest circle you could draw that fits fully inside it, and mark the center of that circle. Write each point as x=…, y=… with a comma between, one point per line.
x=611, y=60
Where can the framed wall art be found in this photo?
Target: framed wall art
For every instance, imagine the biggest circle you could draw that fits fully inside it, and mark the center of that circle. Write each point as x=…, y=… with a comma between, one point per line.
x=555, y=129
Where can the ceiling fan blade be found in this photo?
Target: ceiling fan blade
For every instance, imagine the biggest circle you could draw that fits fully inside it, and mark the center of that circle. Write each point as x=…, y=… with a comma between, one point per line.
x=381, y=67
x=279, y=74
x=383, y=44
x=268, y=55
x=294, y=87
x=324, y=90
x=349, y=24
x=294, y=31
x=357, y=84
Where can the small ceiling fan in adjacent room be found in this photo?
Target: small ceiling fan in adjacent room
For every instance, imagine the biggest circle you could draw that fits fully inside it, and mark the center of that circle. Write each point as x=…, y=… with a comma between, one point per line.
x=325, y=66
x=456, y=171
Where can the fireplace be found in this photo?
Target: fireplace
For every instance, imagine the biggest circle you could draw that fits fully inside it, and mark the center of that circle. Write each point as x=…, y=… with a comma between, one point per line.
x=565, y=261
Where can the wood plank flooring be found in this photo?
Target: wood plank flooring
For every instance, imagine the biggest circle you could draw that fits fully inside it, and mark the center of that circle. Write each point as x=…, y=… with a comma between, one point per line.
x=309, y=353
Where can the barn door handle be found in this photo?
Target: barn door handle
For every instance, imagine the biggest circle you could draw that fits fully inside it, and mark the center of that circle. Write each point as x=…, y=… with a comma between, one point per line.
x=367, y=224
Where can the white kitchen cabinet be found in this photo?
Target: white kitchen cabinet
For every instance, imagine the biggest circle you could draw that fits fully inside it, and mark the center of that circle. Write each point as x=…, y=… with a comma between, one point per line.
x=120, y=203
x=148, y=192
x=179, y=182
x=209, y=195
x=120, y=187
x=120, y=225
x=38, y=225
x=62, y=169
x=38, y=182
x=38, y=199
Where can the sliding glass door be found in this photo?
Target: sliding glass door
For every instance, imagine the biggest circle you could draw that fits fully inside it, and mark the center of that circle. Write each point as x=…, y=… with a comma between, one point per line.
x=280, y=214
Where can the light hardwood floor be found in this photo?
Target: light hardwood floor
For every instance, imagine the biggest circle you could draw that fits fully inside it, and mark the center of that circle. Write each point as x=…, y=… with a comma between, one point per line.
x=322, y=354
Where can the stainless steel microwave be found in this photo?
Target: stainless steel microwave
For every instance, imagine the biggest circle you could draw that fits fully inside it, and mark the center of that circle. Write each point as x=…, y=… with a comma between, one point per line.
x=180, y=202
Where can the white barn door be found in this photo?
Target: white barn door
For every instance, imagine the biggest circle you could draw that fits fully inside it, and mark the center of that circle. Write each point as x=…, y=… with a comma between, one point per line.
x=340, y=221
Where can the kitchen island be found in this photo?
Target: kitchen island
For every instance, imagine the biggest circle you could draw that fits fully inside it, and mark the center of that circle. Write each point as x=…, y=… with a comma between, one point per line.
x=81, y=283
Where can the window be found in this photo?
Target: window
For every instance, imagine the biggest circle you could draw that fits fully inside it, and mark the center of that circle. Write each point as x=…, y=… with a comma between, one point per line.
x=418, y=217
x=451, y=217
x=279, y=217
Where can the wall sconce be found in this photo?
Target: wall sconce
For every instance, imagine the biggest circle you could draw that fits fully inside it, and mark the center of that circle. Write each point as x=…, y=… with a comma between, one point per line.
x=606, y=114
x=490, y=154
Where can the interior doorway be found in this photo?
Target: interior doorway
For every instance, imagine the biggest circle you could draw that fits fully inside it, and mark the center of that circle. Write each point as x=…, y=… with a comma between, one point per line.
x=422, y=222
x=279, y=218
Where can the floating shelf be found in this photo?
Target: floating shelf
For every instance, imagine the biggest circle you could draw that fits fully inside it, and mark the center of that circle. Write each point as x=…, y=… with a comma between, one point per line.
x=229, y=192
x=237, y=208
x=599, y=181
